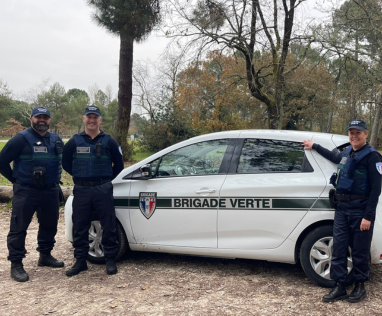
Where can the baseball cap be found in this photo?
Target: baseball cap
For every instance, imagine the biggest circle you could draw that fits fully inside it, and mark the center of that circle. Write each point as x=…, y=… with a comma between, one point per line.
x=357, y=124
x=40, y=110
x=92, y=109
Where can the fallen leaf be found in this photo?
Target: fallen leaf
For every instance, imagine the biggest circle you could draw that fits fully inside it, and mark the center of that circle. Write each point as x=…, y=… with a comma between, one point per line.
x=123, y=285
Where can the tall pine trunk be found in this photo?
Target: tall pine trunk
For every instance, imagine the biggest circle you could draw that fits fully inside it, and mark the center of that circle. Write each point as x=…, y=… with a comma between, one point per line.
x=374, y=130
x=125, y=93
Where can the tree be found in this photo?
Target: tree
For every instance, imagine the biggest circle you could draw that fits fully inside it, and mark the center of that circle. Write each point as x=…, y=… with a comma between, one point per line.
x=5, y=99
x=61, y=126
x=131, y=20
x=12, y=128
x=55, y=99
x=249, y=28
x=355, y=35
x=78, y=101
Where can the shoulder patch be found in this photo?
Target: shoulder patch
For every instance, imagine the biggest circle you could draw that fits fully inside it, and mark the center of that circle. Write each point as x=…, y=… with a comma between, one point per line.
x=379, y=167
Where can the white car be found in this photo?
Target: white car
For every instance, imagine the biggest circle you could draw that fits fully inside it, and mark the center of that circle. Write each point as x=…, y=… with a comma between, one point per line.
x=253, y=194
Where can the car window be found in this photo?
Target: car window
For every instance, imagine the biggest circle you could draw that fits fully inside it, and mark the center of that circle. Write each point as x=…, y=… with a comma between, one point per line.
x=197, y=159
x=264, y=155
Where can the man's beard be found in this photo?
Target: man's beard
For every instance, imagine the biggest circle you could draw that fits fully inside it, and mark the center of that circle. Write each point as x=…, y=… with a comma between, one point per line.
x=40, y=127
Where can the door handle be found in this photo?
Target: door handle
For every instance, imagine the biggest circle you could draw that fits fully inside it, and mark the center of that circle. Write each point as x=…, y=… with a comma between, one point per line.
x=205, y=191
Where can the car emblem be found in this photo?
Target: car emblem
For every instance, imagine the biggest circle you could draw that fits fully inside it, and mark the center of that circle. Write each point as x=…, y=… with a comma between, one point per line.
x=147, y=203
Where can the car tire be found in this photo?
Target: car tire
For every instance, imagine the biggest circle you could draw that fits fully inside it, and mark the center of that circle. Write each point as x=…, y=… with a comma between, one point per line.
x=96, y=254
x=316, y=254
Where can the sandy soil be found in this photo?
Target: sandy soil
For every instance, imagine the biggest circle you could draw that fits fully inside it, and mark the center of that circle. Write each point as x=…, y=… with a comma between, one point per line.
x=162, y=284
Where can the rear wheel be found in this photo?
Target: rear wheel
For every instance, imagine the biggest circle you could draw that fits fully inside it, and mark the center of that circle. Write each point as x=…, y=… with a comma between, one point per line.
x=316, y=255
x=96, y=253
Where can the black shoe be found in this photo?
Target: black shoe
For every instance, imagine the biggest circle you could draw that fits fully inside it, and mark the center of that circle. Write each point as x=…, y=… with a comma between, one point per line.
x=111, y=267
x=336, y=294
x=79, y=266
x=358, y=293
x=47, y=260
x=18, y=273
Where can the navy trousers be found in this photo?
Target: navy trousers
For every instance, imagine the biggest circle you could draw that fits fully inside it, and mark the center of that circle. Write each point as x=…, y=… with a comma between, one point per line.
x=27, y=201
x=346, y=232
x=99, y=199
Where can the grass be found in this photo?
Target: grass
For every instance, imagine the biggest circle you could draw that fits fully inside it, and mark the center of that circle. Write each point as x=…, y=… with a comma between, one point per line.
x=138, y=156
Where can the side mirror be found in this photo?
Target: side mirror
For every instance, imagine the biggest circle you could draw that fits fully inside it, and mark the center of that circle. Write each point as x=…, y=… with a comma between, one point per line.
x=142, y=173
x=146, y=171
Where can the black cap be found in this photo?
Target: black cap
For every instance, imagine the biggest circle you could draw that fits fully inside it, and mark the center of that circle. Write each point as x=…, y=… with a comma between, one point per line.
x=92, y=109
x=357, y=124
x=40, y=110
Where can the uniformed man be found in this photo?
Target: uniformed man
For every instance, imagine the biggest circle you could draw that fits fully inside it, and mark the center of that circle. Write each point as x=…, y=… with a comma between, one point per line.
x=36, y=155
x=358, y=186
x=93, y=158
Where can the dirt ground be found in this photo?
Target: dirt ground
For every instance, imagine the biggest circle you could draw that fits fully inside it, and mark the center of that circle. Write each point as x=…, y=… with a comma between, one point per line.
x=162, y=284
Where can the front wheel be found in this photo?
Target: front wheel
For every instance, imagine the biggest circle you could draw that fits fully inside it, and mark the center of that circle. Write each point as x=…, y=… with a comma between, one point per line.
x=96, y=254
x=316, y=255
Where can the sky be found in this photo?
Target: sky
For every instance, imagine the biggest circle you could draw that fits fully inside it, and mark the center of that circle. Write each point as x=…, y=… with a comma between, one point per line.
x=58, y=40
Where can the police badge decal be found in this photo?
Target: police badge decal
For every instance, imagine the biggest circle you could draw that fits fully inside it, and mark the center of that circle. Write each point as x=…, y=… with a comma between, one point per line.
x=147, y=203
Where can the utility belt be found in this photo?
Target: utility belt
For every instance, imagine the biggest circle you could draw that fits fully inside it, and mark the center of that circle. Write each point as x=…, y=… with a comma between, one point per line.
x=34, y=186
x=334, y=197
x=349, y=197
x=91, y=183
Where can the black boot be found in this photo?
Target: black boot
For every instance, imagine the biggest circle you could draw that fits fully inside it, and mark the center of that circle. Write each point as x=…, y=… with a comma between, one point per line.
x=358, y=293
x=336, y=294
x=18, y=273
x=47, y=260
x=111, y=267
x=79, y=266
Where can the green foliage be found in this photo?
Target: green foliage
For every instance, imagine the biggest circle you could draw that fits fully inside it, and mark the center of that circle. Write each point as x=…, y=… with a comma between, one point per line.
x=134, y=17
x=109, y=115
x=5, y=100
x=208, y=14
x=171, y=125
x=75, y=109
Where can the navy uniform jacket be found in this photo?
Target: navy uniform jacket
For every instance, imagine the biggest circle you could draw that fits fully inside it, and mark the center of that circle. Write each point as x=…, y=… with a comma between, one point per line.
x=112, y=148
x=15, y=147
x=367, y=163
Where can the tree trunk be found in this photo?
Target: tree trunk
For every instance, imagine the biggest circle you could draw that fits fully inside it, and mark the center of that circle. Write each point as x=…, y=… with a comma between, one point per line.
x=6, y=193
x=125, y=93
x=374, y=130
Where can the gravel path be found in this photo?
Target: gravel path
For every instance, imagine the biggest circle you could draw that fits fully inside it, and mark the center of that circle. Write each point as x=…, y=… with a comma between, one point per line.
x=162, y=284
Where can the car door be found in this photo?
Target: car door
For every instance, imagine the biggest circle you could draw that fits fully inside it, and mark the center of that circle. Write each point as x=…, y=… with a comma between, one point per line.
x=178, y=206
x=271, y=185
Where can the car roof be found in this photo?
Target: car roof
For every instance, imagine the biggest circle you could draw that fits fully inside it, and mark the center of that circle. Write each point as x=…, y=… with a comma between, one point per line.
x=327, y=140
